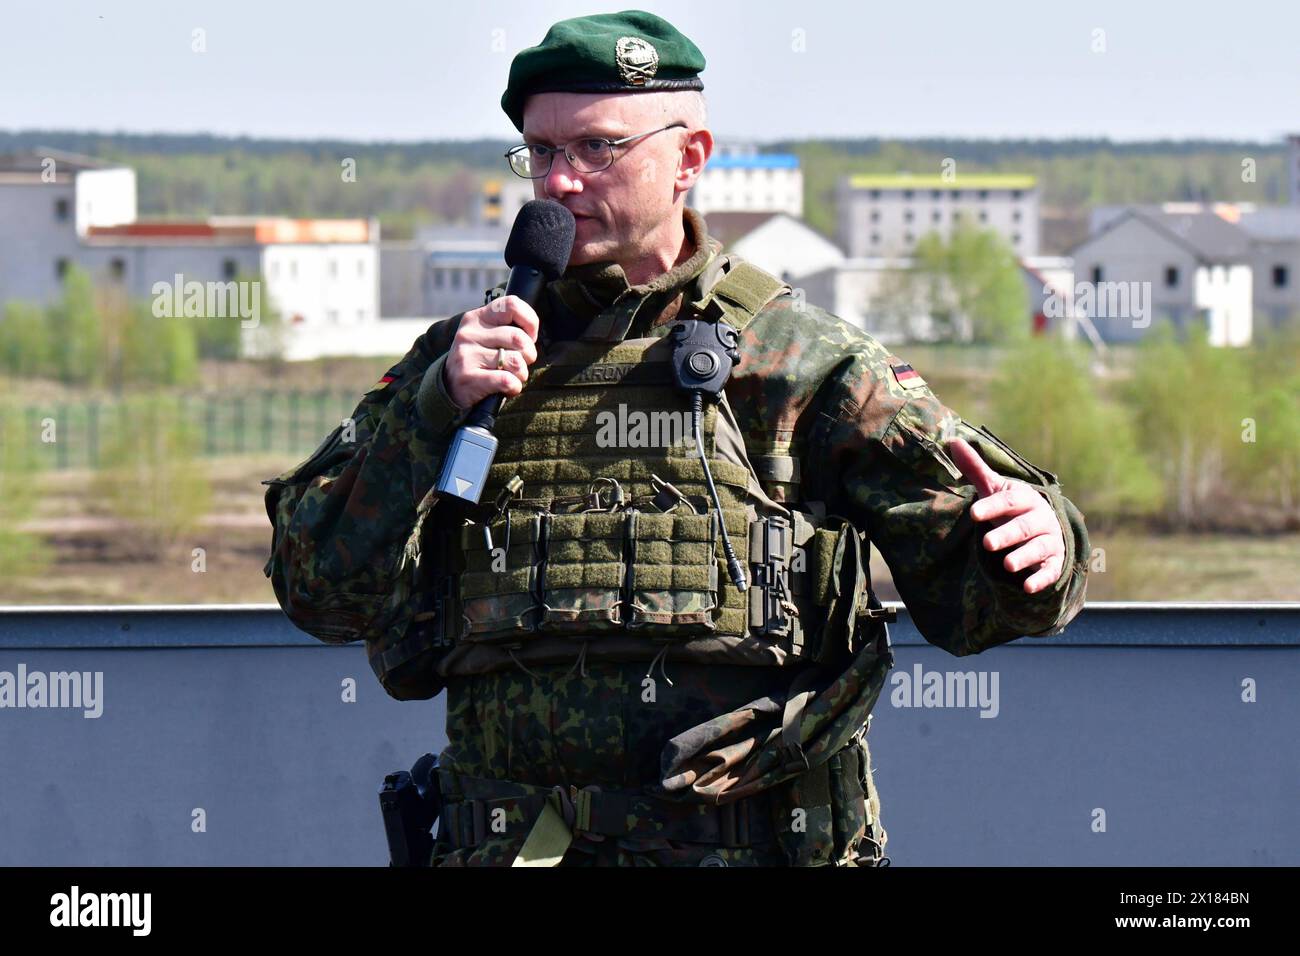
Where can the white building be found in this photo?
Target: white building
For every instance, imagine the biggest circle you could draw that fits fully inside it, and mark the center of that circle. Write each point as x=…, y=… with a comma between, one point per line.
x=781, y=244
x=886, y=215
x=58, y=210
x=872, y=294
x=748, y=181
x=48, y=202
x=1275, y=261
x=1180, y=262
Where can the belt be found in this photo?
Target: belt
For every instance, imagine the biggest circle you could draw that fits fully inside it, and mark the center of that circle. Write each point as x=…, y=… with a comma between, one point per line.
x=555, y=815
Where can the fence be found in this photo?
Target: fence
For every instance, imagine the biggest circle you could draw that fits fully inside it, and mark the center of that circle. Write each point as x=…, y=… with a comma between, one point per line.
x=290, y=423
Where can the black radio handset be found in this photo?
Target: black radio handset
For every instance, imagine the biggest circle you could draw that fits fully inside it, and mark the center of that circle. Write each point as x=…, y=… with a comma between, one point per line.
x=538, y=250
x=704, y=353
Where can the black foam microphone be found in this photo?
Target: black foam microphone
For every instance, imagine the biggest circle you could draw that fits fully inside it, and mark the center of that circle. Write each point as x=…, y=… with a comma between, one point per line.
x=537, y=252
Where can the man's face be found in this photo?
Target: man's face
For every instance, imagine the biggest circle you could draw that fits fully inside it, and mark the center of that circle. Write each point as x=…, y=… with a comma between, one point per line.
x=620, y=208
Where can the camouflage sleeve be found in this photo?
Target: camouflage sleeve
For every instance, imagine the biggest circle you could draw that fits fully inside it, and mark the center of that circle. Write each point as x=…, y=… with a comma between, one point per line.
x=343, y=517
x=883, y=435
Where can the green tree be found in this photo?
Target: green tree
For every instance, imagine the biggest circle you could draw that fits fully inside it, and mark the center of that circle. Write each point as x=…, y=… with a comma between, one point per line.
x=22, y=553
x=150, y=474
x=1047, y=405
x=26, y=347
x=76, y=330
x=1189, y=399
x=1270, y=466
x=268, y=338
x=972, y=283
x=159, y=350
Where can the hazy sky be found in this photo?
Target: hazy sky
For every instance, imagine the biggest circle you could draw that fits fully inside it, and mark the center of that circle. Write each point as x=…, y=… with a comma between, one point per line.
x=436, y=70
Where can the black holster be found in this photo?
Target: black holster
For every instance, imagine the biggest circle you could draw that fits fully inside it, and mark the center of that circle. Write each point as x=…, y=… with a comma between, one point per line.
x=411, y=803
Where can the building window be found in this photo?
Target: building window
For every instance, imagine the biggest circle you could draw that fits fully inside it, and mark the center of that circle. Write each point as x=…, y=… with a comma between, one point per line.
x=334, y=268
x=1015, y=194
x=1171, y=277
x=1280, y=277
x=875, y=215
x=61, y=210
x=909, y=238
x=117, y=267
x=229, y=269
x=936, y=216
x=1096, y=274
x=984, y=194
x=275, y=270
x=936, y=194
x=60, y=267
x=293, y=268
x=361, y=268
x=455, y=278
x=908, y=216
x=955, y=194
x=956, y=215
x=437, y=278
x=984, y=217
x=875, y=238
x=907, y=194
x=875, y=194
x=1015, y=216
x=1015, y=238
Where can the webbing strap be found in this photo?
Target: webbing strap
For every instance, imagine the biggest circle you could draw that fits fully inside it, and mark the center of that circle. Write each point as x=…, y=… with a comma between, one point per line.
x=740, y=294
x=559, y=816
x=548, y=840
x=797, y=699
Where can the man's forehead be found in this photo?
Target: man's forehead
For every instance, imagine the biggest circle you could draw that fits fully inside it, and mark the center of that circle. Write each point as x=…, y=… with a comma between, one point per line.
x=562, y=116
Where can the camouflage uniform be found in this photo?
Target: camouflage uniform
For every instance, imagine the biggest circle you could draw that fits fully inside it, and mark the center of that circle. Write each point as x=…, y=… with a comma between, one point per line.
x=857, y=431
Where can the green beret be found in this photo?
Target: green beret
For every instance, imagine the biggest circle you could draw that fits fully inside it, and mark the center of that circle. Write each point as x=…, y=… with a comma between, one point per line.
x=628, y=52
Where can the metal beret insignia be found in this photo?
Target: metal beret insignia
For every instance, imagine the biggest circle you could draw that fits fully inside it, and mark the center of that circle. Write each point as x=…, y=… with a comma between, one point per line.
x=637, y=60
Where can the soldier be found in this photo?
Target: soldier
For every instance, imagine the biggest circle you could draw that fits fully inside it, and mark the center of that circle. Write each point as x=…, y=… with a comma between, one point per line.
x=619, y=690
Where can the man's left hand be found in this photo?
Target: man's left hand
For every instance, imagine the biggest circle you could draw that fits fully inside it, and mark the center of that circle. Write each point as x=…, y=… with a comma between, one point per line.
x=1022, y=515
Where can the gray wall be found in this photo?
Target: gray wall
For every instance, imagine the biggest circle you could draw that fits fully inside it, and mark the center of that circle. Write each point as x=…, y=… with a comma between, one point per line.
x=1135, y=710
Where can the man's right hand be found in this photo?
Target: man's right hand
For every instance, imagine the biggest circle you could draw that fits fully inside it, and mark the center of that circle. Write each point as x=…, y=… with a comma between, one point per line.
x=470, y=372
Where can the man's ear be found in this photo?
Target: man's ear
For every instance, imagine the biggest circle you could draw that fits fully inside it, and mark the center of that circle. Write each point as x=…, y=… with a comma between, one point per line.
x=694, y=156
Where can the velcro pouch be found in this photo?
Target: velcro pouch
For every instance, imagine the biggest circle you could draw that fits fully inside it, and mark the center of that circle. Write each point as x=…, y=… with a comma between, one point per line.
x=582, y=572
x=673, y=579
x=498, y=587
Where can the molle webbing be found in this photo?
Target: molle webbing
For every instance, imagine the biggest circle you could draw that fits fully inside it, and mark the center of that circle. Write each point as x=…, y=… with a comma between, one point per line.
x=613, y=530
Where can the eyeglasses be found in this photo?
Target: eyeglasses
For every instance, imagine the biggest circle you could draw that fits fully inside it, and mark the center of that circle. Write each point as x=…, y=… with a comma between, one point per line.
x=590, y=154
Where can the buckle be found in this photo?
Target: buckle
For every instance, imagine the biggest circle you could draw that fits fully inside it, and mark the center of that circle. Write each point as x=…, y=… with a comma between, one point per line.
x=771, y=545
x=595, y=490
x=733, y=824
x=575, y=805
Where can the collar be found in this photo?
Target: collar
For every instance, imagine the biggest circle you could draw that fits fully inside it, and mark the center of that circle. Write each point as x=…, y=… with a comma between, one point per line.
x=586, y=290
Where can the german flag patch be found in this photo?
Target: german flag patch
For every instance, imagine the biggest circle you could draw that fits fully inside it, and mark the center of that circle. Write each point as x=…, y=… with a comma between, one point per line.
x=906, y=376
x=384, y=382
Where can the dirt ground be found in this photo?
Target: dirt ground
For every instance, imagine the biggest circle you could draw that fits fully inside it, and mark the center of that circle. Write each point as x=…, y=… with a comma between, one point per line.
x=98, y=560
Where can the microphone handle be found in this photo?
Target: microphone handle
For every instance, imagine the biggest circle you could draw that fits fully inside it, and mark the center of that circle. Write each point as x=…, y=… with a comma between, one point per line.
x=525, y=282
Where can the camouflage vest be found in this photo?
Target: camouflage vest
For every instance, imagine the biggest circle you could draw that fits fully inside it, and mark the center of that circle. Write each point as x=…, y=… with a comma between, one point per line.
x=598, y=536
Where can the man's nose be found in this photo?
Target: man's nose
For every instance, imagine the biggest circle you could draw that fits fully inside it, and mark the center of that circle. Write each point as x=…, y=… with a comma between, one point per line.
x=562, y=179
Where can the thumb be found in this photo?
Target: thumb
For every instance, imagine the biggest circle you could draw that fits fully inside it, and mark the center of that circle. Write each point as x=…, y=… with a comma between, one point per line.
x=973, y=468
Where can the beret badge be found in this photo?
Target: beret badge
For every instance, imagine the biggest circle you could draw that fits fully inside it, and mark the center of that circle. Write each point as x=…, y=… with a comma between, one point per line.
x=637, y=60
